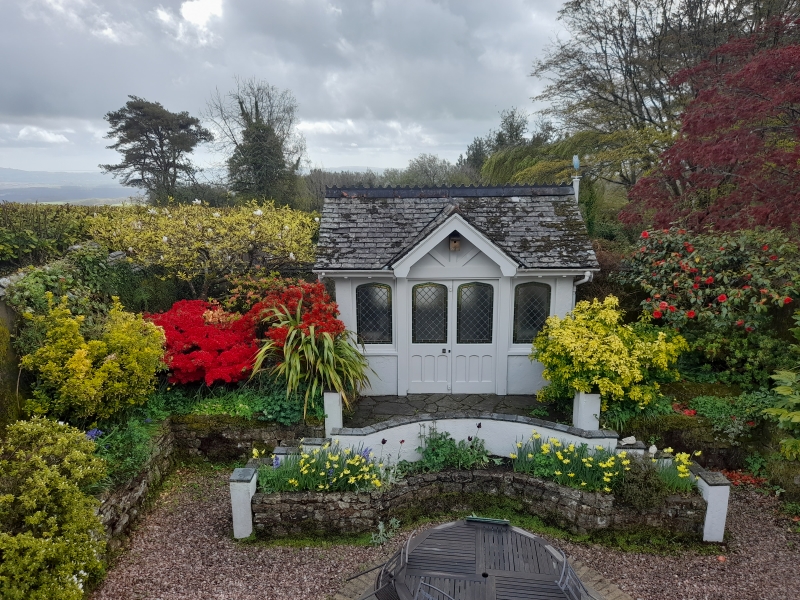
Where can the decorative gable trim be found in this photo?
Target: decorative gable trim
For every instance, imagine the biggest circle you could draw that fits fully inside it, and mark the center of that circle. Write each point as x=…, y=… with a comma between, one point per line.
x=508, y=266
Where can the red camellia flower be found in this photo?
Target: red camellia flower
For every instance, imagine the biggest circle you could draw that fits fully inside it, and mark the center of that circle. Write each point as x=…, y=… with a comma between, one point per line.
x=662, y=305
x=722, y=298
x=656, y=314
x=748, y=328
x=773, y=257
x=645, y=235
x=765, y=248
x=691, y=314
x=745, y=287
x=739, y=323
x=787, y=300
x=696, y=285
x=671, y=308
x=709, y=279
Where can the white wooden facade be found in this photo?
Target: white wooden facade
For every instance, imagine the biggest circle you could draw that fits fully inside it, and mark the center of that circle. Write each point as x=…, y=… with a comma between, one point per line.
x=455, y=314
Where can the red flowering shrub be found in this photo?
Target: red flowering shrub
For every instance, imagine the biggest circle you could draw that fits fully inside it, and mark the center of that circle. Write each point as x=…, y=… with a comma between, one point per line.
x=205, y=343
x=316, y=309
x=253, y=287
x=721, y=290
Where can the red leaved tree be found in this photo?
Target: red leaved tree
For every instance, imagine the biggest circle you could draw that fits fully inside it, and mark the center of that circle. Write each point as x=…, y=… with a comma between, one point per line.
x=736, y=163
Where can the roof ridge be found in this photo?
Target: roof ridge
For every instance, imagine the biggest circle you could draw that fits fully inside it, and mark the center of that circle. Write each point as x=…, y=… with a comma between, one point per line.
x=447, y=210
x=462, y=191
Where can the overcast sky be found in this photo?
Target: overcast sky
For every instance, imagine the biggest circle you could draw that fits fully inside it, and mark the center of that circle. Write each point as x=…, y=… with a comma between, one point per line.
x=377, y=82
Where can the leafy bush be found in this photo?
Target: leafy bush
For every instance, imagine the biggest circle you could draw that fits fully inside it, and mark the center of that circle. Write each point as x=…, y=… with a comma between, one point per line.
x=642, y=488
x=330, y=468
x=619, y=414
x=255, y=286
x=734, y=417
x=787, y=411
x=591, y=350
x=96, y=378
x=125, y=447
x=206, y=343
x=51, y=540
x=202, y=245
x=33, y=234
x=721, y=290
x=313, y=358
x=440, y=451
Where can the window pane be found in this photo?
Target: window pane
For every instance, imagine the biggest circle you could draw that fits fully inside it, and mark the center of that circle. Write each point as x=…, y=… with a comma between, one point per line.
x=374, y=313
x=475, y=313
x=531, y=309
x=429, y=313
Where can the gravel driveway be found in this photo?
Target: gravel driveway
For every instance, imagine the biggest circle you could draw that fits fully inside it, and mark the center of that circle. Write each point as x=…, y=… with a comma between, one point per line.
x=183, y=550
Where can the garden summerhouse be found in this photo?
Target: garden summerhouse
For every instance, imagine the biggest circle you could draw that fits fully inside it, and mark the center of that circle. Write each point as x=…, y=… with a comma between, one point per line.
x=447, y=287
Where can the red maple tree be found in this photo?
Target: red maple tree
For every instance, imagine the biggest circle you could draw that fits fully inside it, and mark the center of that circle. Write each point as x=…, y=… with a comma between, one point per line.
x=736, y=162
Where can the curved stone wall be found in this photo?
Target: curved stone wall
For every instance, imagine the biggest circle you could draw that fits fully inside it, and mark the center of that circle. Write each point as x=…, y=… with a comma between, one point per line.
x=292, y=513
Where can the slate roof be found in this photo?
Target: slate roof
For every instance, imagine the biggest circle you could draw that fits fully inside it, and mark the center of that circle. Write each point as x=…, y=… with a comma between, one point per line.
x=540, y=227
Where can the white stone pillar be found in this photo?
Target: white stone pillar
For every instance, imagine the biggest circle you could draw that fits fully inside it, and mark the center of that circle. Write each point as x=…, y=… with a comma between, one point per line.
x=716, y=490
x=333, y=411
x=243, y=486
x=586, y=411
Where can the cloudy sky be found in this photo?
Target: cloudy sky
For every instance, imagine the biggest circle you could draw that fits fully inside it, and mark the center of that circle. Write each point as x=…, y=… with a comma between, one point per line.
x=378, y=82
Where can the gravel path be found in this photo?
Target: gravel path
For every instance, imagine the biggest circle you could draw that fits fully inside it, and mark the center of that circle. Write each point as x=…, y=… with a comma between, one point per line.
x=183, y=550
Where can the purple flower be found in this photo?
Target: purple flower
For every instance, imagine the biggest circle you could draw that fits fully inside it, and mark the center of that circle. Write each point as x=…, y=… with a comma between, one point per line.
x=93, y=434
x=148, y=420
x=383, y=441
x=365, y=453
x=479, y=425
x=469, y=438
x=276, y=462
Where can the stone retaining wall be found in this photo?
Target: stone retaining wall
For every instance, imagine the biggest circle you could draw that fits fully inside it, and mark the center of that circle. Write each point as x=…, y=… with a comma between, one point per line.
x=120, y=507
x=292, y=513
x=220, y=437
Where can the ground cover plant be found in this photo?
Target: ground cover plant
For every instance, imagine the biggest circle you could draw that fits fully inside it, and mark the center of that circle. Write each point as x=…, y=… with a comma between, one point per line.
x=51, y=540
x=733, y=417
x=591, y=350
x=329, y=468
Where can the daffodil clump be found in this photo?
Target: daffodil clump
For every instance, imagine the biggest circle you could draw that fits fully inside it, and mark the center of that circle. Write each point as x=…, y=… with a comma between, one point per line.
x=326, y=469
x=675, y=473
x=593, y=469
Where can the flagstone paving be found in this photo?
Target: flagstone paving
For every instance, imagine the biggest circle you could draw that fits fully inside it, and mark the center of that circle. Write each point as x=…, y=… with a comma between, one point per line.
x=373, y=409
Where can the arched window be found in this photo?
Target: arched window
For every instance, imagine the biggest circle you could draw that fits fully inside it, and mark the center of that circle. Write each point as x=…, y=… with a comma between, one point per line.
x=475, y=313
x=531, y=309
x=374, y=313
x=429, y=313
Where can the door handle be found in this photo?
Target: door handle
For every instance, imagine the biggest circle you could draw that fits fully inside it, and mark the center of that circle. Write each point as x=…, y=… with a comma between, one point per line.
x=444, y=350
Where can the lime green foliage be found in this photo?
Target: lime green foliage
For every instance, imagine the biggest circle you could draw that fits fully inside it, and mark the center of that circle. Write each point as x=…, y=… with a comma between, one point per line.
x=440, y=451
x=734, y=417
x=787, y=411
x=330, y=468
x=314, y=361
x=618, y=414
x=51, y=540
x=591, y=349
x=201, y=244
x=95, y=378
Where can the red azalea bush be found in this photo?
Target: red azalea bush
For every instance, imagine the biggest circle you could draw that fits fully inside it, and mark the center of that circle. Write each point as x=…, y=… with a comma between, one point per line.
x=720, y=289
x=206, y=343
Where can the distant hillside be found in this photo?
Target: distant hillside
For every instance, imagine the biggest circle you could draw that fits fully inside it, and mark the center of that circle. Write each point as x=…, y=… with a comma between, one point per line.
x=60, y=187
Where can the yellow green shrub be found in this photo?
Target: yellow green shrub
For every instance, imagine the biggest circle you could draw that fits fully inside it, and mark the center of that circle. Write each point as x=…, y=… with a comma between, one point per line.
x=76, y=377
x=591, y=350
x=51, y=540
x=201, y=244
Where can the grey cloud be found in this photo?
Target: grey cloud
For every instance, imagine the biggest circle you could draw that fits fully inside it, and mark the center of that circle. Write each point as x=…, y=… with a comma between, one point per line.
x=382, y=80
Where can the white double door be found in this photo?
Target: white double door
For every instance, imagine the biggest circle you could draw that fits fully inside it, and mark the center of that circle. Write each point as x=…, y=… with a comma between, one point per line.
x=453, y=337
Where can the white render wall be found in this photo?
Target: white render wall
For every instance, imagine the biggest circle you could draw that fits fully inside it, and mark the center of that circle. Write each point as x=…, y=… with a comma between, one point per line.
x=515, y=373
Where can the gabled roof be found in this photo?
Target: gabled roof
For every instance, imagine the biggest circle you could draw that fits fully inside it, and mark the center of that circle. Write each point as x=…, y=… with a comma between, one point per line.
x=371, y=228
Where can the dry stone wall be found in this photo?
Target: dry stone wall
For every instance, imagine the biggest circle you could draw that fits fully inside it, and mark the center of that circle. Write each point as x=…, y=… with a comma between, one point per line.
x=293, y=513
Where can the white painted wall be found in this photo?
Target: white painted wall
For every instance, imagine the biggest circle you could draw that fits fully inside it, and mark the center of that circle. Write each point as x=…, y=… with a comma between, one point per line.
x=500, y=437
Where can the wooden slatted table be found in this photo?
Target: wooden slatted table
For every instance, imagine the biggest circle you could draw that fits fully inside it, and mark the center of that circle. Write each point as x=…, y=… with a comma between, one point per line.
x=477, y=559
